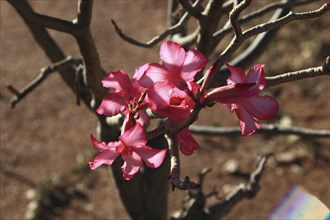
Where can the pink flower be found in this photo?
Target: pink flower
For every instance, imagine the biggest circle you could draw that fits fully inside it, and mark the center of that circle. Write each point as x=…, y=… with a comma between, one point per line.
x=187, y=142
x=132, y=148
x=241, y=96
x=171, y=84
x=128, y=95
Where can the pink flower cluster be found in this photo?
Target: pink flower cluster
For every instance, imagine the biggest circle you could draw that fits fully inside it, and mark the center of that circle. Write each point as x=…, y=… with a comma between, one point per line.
x=169, y=90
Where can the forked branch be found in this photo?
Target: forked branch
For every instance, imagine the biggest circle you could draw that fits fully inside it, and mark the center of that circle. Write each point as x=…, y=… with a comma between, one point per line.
x=175, y=166
x=157, y=39
x=268, y=26
x=284, y=20
x=44, y=73
x=194, y=205
x=247, y=190
x=80, y=29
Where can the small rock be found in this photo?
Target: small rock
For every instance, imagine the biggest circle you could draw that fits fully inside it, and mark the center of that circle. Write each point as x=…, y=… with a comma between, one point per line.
x=30, y=194
x=231, y=166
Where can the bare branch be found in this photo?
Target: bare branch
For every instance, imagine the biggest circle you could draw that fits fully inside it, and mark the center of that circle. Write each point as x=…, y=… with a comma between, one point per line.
x=248, y=190
x=155, y=40
x=42, y=20
x=237, y=41
x=84, y=14
x=87, y=48
x=171, y=30
x=258, y=45
x=194, y=205
x=79, y=81
x=44, y=72
x=171, y=7
x=297, y=75
x=233, y=16
x=272, y=129
x=186, y=41
x=202, y=174
x=273, y=6
x=208, y=25
x=252, y=52
x=231, y=48
x=191, y=10
x=284, y=20
x=256, y=14
x=175, y=166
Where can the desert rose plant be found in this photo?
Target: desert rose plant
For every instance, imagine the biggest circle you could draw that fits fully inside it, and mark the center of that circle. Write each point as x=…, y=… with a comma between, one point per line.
x=193, y=74
x=169, y=90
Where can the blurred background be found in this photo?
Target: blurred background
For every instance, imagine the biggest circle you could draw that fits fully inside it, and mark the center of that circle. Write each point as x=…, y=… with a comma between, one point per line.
x=45, y=142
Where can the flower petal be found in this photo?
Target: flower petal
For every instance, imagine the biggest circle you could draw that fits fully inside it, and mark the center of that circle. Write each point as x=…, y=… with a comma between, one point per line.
x=128, y=122
x=155, y=73
x=229, y=92
x=111, y=105
x=106, y=157
x=99, y=146
x=256, y=75
x=260, y=107
x=159, y=95
x=152, y=157
x=187, y=142
x=173, y=56
x=247, y=123
x=175, y=113
x=119, y=81
x=237, y=75
x=132, y=163
x=134, y=137
x=141, y=117
x=193, y=63
x=170, y=102
x=139, y=72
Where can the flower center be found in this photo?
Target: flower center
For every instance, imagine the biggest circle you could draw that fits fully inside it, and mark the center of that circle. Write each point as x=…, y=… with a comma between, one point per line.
x=124, y=149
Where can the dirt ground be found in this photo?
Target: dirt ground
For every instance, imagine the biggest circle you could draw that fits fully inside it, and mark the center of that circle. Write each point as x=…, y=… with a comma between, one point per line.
x=45, y=139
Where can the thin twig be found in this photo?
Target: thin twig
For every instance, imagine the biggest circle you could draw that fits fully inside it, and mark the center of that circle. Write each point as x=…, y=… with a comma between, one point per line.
x=272, y=129
x=175, y=166
x=194, y=202
x=256, y=14
x=208, y=25
x=191, y=9
x=237, y=41
x=194, y=205
x=44, y=72
x=273, y=6
x=248, y=190
x=155, y=40
x=298, y=75
x=85, y=41
x=233, y=16
x=202, y=174
x=188, y=40
x=284, y=20
x=257, y=47
x=43, y=20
